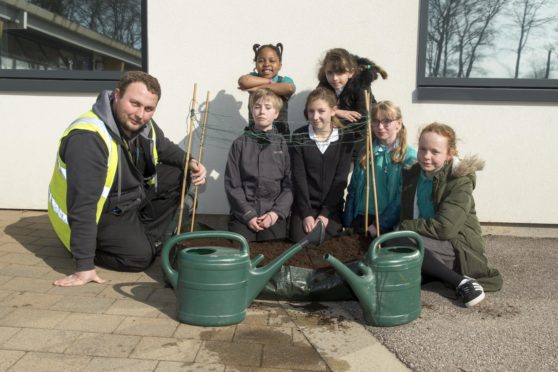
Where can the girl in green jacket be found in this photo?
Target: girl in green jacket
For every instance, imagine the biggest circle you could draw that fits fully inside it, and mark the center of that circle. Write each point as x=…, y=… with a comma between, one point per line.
x=437, y=203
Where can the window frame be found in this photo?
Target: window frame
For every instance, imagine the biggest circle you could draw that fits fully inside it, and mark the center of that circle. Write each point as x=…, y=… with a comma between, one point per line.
x=70, y=81
x=475, y=89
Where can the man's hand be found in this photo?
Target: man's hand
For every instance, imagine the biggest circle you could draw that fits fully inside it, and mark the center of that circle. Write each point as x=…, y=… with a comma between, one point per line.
x=198, y=172
x=79, y=278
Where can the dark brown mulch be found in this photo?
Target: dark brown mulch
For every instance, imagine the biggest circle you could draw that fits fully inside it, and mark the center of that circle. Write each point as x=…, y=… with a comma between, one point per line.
x=344, y=248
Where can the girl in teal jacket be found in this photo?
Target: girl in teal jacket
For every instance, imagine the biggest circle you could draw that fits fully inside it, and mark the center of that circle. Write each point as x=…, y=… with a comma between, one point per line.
x=391, y=155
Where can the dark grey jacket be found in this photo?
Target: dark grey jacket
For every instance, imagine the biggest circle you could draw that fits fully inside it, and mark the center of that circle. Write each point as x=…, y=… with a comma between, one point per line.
x=258, y=175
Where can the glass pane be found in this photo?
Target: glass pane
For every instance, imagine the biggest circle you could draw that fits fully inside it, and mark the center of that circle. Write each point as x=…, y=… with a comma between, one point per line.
x=515, y=39
x=80, y=35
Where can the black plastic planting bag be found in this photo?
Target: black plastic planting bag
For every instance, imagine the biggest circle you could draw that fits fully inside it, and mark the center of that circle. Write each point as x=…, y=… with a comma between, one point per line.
x=300, y=284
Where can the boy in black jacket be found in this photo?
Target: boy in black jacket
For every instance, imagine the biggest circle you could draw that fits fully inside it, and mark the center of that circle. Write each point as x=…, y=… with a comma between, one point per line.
x=258, y=174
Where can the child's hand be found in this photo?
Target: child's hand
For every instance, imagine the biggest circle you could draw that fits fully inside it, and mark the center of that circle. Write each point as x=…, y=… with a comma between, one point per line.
x=324, y=220
x=265, y=221
x=352, y=116
x=372, y=230
x=254, y=225
x=308, y=224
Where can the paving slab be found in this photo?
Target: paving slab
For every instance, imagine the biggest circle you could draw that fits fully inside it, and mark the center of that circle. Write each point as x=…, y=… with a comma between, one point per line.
x=7, y=332
x=33, y=318
x=102, y=323
x=239, y=354
x=103, y=345
x=24, y=284
x=341, y=342
x=293, y=356
x=25, y=271
x=9, y=357
x=205, y=333
x=167, y=348
x=155, y=327
x=121, y=364
x=31, y=300
x=35, y=361
x=43, y=340
x=189, y=367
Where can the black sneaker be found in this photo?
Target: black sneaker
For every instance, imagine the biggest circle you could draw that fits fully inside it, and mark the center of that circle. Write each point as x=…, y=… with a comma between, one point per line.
x=471, y=291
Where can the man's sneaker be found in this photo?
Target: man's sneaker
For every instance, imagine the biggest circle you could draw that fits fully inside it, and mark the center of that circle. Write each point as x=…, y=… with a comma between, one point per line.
x=471, y=291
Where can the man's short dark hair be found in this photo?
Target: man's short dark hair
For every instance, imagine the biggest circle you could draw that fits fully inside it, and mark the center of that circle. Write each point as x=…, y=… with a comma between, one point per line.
x=130, y=77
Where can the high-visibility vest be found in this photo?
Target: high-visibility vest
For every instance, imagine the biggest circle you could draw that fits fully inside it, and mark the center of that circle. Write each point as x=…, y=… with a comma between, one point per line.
x=57, y=190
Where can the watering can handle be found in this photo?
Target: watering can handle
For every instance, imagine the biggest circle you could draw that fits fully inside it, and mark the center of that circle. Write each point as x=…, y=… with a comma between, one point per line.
x=171, y=274
x=397, y=235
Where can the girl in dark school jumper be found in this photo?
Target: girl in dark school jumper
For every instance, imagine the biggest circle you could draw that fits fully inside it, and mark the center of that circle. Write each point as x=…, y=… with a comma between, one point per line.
x=320, y=160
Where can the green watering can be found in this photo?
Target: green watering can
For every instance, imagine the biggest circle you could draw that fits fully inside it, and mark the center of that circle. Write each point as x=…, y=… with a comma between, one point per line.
x=215, y=285
x=388, y=286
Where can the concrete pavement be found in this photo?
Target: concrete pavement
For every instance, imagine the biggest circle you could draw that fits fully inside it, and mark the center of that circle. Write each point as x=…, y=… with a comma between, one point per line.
x=130, y=323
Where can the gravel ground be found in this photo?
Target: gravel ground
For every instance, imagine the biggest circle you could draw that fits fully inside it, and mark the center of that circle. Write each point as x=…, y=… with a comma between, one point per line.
x=515, y=329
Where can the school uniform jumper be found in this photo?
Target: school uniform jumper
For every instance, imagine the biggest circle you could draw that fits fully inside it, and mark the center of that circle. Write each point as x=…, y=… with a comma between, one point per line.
x=319, y=180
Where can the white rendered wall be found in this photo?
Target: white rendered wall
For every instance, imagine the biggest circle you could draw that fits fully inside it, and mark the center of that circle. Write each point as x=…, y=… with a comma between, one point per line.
x=210, y=43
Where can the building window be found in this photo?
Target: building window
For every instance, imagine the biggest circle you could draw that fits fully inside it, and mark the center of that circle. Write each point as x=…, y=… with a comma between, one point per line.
x=501, y=50
x=70, y=45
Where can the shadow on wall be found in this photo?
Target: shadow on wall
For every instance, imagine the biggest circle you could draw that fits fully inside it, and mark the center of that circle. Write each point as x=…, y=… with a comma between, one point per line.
x=224, y=124
x=296, y=110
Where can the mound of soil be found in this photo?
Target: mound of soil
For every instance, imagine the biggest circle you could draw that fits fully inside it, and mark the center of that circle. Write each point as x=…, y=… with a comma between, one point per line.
x=344, y=248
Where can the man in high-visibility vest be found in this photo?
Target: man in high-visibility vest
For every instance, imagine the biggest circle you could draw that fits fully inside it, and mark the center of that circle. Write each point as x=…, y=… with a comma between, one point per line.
x=116, y=183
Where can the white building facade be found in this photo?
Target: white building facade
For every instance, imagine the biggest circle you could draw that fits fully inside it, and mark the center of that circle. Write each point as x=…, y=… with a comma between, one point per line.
x=210, y=43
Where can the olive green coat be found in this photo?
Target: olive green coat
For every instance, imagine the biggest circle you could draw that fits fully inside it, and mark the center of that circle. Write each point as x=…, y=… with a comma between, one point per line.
x=455, y=220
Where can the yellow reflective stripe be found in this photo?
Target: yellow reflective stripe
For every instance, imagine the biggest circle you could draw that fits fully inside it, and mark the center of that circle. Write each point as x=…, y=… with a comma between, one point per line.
x=61, y=168
x=57, y=210
x=105, y=192
x=155, y=154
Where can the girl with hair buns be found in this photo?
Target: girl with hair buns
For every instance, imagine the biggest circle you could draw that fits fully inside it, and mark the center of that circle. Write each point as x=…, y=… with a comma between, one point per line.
x=268, y=59
x=391, y=155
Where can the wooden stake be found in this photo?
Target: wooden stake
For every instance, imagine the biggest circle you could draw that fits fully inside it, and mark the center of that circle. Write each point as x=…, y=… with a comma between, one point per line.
x=187, y=162
x=200, y=155
x=372, y=162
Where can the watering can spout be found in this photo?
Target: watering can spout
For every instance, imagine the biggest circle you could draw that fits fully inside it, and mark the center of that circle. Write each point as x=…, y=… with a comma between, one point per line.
x=364, y=286
x=258, y=277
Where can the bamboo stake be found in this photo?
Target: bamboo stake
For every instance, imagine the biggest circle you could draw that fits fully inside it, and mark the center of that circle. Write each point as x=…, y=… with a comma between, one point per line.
x=367, y=168
x=200, y=155
x=372, y=162
x=187, y=162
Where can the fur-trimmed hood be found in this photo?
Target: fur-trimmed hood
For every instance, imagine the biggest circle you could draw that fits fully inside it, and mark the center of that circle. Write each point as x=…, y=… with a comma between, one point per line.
x=466, y=166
